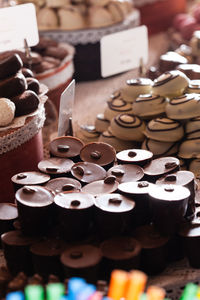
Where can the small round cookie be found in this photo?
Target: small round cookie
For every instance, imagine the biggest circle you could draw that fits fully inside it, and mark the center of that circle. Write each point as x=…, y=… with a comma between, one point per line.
x=160, y=148
x=165, y=130
x=115, y=107
x=170, y=84
x=70, y=18
x=194, y=43
x=192, y=128
x=190, y=149
x=101, y=123
x=7, y=111
x=149, y=106
x=47, y=18
x=194, y=87
x=183, y=107
x=194, y=167
x=135, y=87
x=99, y=16
x=128, y=127
x=119, y=145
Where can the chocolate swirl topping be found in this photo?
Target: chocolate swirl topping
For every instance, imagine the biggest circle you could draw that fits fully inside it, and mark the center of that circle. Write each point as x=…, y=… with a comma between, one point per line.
x=128, y=121
x=182, y=99
x=170, y=124
x=166, y=77
x=149, y=97
x=119, y=105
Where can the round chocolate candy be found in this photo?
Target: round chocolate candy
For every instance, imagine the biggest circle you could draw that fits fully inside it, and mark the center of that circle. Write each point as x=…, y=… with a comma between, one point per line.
x=87, y=172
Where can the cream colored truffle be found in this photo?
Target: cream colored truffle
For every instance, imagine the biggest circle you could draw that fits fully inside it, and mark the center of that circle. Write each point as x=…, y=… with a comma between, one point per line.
x=47, y=18
x=7, y=111
x=170, y=84
x=164, y=129
x=127, y=127
x=115, y=107
x=183, y=107
x=194, y=87
x=70, y=18
x=192, y=128
x=135, y=87
x=118, y=144
x=57, y=3
x=149, y=106
x=190, y=149
x=99, y=17
x=160, y=148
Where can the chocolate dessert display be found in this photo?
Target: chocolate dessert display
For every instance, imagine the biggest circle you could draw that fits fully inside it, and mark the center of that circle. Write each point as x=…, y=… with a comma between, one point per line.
x=22, y=116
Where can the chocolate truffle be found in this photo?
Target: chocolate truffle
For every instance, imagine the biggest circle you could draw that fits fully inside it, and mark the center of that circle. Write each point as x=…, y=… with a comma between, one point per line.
x=126, y=173
x=74, y=214
x=154, y=247
x=169, y=204
x=138, y=192
x=106, y=186
x=55, y=166
x=184, y=178
x=29, y=178
x=98, y=153
x=66, y=147
x=113, y=214
x=82, y=261
x=46, y=257
x=161, y=166
x=120, y=253
x=87, y=172
x=8, y=214
x=16, y=251
x=35, y=208
x=10, y=66
x=134, y=156
x=63, y=184
x=170, y=60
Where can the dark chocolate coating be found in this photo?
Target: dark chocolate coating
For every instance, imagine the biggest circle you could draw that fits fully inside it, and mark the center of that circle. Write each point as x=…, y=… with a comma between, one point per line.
x=25, y=103
x=98, y=153
x=10, y=66
x=29, y=178
x=56, y=166
x=46, y=257
x=8, y=214
x=33, y=84
x=138, y=192
x=63, y=184
x=13, y=86
x=184, y=178
x=120, y=253
x=88, y=172
x=126, y=173
x=161, y=166
x=99, y=187
x=35, y=208
x=134, y=156
x=56, y=52
x=16, y=251
x=74, y=214
x=169, y=204
x=192, y=71
x=66, y=147
x=190, y=235
x=154, y=249
x=27, y=72
x=170, y=60
x=82, y=261
x=113, y=214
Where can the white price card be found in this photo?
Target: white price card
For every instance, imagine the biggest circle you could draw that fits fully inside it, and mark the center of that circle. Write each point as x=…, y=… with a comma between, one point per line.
x=66, y=110
x=123, y=51
x=16, y=24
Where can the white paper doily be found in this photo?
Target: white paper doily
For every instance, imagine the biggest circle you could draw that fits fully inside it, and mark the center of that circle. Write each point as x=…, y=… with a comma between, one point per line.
x=139, y=3
x=86, y=36
x=24, y=133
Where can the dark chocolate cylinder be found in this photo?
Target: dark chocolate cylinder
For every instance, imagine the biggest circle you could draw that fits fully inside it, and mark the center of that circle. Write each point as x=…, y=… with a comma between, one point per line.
x=138, y=157
x=16, y=249
x=8, y=215
x=56, y=167
x=82, y=261
x=35, y=208
x=74, y=212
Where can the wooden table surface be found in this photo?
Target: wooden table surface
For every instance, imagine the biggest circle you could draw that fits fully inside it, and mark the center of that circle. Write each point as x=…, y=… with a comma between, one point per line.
x=90, y=98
